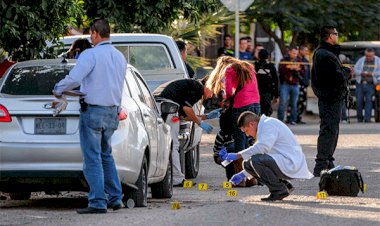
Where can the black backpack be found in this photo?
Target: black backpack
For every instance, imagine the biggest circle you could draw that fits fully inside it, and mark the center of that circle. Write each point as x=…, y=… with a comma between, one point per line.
x=341, y=181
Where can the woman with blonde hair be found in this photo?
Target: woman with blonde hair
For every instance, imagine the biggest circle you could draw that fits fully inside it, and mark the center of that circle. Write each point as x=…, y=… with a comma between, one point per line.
x=238, y=79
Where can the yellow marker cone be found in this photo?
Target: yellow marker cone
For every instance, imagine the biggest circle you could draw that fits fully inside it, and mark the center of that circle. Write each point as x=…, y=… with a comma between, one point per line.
x=187, y=184
x=176, y=205
x=321, y=195
x=202, y=187
x=232, y=193
x=227, y=185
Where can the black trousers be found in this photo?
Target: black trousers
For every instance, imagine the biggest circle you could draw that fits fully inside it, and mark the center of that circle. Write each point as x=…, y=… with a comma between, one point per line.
x=329, y=113
x=265, y=170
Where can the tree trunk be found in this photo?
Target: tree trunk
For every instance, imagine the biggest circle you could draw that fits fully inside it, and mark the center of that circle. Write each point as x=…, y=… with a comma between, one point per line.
x=279, y=41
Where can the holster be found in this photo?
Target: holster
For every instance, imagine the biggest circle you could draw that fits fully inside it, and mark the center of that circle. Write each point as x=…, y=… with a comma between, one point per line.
x=83, y=105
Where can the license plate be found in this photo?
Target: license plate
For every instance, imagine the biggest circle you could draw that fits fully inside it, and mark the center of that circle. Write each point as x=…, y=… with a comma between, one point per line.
x=50, y=126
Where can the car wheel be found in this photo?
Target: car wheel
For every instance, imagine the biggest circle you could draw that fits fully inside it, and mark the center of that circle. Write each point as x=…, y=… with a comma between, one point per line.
x=192, y=163
x=20, y=195
x=140, y=195
x=164, y=189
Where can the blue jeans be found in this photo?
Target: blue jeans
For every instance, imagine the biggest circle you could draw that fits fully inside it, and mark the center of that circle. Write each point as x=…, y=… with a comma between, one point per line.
x=364, y=94
x=286, y=91
x=241, y=140
x=96, y=126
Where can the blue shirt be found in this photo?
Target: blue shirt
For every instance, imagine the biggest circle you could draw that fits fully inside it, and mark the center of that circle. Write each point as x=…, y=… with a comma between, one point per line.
x=100, y=73
x=245, y=56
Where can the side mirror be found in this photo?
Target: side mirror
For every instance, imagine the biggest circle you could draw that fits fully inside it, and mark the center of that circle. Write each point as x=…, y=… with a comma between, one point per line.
x=167, y=107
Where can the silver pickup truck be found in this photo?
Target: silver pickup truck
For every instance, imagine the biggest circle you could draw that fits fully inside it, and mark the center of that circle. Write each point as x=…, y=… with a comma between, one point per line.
x=158, y=59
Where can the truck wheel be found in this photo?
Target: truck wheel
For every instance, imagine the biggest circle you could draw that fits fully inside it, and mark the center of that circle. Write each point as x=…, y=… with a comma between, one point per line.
x=192, y=163
x=20, y=195
x=164, y=189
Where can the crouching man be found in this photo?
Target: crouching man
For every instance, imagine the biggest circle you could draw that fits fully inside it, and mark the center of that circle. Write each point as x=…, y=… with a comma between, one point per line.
x=275, y=157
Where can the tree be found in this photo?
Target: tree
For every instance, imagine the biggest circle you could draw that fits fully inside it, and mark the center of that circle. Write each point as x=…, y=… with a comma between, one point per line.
x=306, y=17
x=26, y=25
x=148, y=15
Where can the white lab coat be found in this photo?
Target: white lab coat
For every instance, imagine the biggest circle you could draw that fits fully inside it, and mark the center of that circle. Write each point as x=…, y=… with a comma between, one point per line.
x=275, y=139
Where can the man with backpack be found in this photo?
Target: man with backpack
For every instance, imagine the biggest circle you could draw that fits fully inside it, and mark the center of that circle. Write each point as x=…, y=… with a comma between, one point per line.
x=267, y=81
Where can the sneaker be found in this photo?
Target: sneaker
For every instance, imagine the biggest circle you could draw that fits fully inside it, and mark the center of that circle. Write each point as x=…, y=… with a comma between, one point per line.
x=293, y=123
x=344, y=122
x=301, y=122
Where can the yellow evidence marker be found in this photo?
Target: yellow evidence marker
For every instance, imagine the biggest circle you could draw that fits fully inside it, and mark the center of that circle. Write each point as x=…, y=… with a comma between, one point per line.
x=202, y=187
x=232, y=193
x=227, y=185
x=364, y=187
x=321, y=195
x=176, y=205
x=187, y=184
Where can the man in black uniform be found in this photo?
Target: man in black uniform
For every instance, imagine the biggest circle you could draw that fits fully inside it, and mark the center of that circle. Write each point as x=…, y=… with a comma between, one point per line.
x=267, y=81
x=329, y=81
x=186, y=93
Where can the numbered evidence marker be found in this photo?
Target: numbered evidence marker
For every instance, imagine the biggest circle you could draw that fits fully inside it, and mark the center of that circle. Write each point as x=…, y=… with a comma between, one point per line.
x=227, y=185
x=176, y=205
x=187, y=184
x=321, y=195
x=202, y=187
x=232, y=193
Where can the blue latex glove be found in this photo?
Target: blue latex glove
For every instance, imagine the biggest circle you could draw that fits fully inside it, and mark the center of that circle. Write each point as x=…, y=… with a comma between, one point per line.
x=206, y=127
x=237, y=178
x=223, y=153
x=232, y=156
x=214, y=114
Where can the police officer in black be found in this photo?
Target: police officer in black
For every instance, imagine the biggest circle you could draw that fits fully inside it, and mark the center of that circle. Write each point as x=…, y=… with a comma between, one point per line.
x=329, y=80
x=267, y=81
x=186, y=93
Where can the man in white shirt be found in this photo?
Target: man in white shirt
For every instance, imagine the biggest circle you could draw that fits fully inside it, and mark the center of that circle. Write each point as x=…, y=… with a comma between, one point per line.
x=275, y=157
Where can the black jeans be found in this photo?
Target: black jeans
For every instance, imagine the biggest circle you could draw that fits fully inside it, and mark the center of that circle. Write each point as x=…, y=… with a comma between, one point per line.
x=265, y=170
x=329, y=113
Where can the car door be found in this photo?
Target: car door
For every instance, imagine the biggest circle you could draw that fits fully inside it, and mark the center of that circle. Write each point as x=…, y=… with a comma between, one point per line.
x=163, y=133
x=148, y=115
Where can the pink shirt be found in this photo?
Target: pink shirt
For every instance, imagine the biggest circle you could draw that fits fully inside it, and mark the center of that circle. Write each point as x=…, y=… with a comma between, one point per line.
x=249, y=94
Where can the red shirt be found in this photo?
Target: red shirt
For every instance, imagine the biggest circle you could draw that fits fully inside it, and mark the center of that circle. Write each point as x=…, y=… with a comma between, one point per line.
x=249, y=94
x=4, y=66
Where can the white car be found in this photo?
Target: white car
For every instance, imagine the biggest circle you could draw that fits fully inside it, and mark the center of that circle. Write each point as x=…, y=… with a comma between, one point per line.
x=39, y=152
x=158, y=59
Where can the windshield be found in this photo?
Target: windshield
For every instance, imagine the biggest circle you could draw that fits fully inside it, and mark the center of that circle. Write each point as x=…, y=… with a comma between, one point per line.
x=146, y=57
x=34, y=80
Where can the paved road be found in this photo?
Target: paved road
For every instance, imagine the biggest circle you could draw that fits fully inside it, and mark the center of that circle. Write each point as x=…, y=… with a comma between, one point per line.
x=359, y=145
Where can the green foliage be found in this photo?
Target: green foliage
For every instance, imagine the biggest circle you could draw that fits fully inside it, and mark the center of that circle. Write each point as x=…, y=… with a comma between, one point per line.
x=148, y=15
x=26, y=25
x=306, y=17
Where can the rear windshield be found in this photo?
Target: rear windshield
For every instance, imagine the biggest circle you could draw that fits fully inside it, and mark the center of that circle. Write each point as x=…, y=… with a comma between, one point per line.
x=353, y=54
x=34, y=80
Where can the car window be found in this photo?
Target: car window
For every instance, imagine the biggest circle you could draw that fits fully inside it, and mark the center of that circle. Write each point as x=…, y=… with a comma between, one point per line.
x=147, y=57
x=134, y=89
x=34, y=80
x=149, y=100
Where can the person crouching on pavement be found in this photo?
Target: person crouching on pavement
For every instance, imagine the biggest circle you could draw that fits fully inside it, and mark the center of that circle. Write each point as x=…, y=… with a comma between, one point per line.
x=275, y=157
